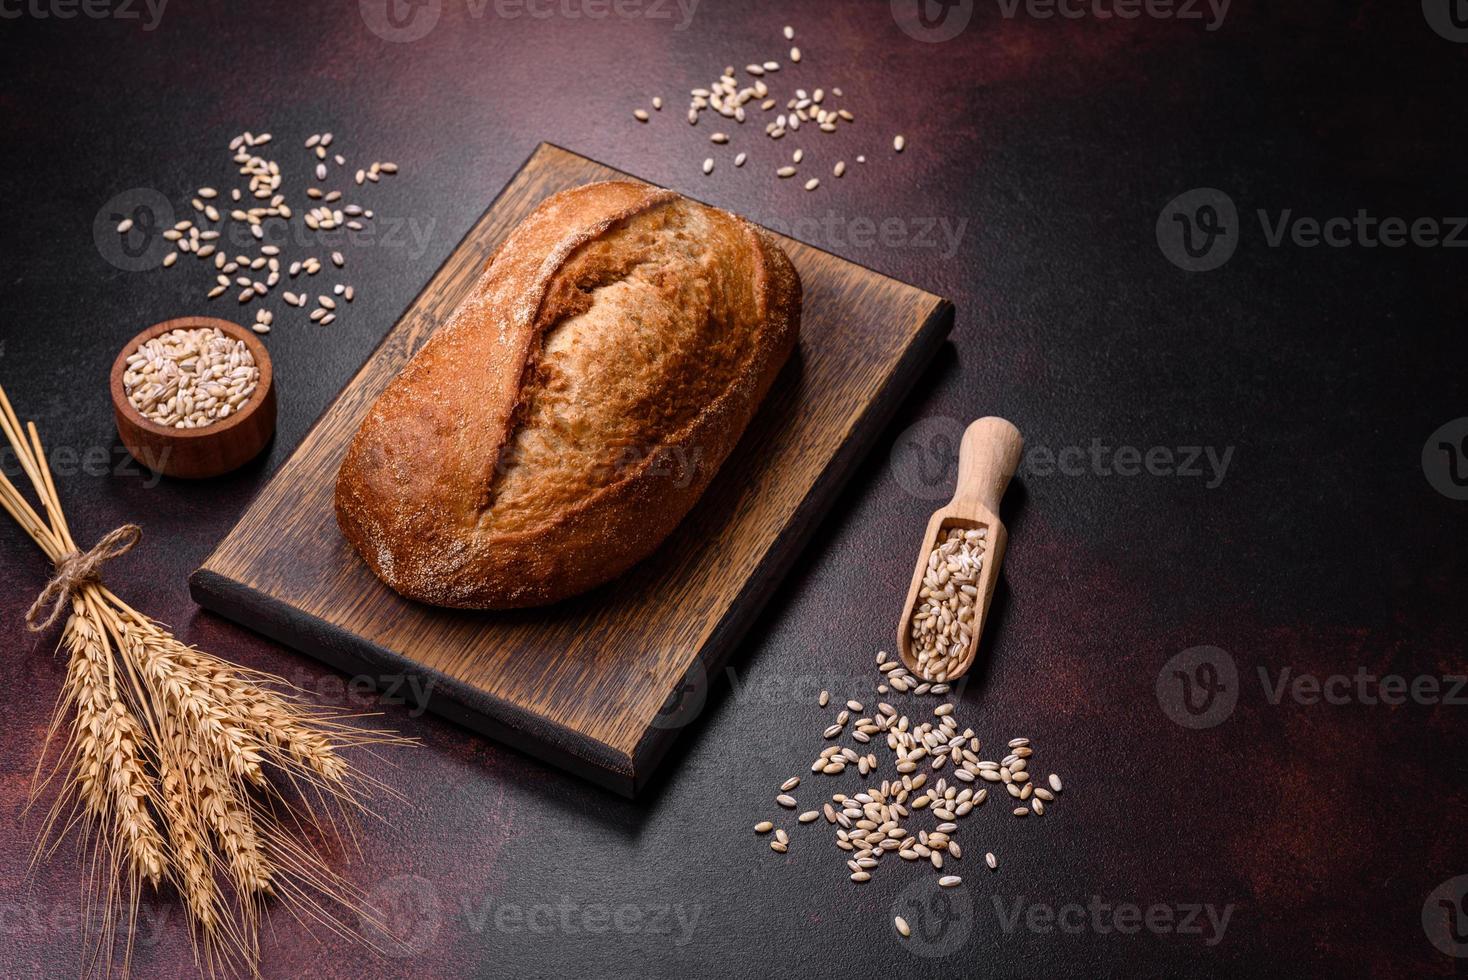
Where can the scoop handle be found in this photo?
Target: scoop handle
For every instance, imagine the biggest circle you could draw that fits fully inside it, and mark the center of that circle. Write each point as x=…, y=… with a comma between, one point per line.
x=987, y=458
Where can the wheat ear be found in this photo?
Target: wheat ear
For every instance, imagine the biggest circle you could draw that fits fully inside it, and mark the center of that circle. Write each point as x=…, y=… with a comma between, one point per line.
x=174, y=765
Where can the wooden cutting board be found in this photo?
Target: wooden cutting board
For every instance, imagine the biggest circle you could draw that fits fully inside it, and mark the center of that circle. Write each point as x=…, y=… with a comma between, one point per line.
x=601, y=684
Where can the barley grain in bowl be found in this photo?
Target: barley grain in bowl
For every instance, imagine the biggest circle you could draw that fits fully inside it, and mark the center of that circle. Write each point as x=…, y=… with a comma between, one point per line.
x=189, y=378
x=194, y=397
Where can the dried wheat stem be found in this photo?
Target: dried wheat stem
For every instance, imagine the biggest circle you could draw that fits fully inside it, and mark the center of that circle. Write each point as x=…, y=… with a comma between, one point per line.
x=176, y=765
x=107, y=771
x=234, y=827
x=194, y=861
x=156, y=655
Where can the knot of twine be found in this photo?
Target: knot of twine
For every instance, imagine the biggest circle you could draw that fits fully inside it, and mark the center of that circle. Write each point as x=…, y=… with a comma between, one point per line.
x=74, y=572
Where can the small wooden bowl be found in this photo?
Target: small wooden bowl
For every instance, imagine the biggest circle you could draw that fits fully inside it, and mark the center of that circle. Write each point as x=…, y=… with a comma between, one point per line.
x=194, y=454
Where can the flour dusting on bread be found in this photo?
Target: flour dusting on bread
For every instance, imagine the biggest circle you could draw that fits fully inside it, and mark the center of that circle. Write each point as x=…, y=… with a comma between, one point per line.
x=521, y=457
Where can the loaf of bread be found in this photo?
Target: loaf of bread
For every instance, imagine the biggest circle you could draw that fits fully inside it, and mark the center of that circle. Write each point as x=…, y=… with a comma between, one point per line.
x=563, y=421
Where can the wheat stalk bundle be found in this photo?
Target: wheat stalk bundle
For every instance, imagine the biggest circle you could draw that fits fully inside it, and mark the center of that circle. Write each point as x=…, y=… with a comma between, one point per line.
x=176, y=768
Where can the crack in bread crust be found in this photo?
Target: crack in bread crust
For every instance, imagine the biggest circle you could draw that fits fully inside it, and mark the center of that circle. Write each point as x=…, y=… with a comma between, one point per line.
x=576, y=404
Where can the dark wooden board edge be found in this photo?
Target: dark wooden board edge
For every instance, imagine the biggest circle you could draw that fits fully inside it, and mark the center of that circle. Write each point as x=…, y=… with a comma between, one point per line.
x=761, y=584
x=506, y=722
x=514, y=726
x=523, y=730
x=465, y=705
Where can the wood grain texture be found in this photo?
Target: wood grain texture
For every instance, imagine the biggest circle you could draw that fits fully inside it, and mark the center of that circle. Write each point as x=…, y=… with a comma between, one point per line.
x=988, y=457
x=197, y=454
x=598, y=684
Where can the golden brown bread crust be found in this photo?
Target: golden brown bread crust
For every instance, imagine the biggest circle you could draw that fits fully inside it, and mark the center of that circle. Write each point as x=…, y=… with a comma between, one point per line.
x=575, y=406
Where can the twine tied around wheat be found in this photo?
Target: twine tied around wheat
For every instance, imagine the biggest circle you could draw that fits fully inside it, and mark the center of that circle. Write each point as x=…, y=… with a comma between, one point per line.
x=177, y=768
x=76, y=569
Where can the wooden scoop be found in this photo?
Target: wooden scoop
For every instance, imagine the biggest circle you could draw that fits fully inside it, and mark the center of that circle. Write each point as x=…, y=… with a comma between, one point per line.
x=987, y=459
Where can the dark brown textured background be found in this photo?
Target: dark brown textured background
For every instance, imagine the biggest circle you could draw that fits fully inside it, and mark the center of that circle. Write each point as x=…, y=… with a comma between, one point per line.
x=1056, y=143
